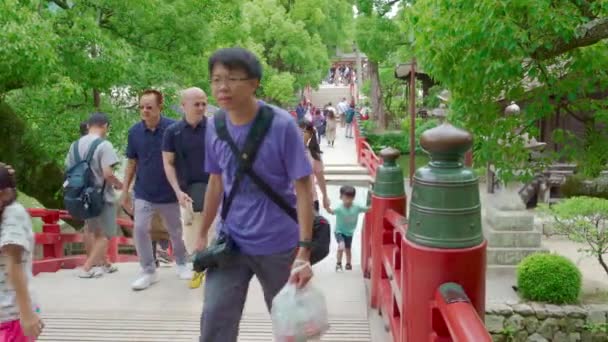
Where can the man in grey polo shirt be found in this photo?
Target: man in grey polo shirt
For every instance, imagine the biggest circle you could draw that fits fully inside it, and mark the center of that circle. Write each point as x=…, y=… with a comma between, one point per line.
x=99, y=229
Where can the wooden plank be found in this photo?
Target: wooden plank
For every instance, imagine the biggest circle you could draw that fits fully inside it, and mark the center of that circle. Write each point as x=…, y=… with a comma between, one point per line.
x=106, y=327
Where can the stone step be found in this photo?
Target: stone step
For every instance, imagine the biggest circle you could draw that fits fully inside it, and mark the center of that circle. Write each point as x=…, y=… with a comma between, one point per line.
x=345, y=169
x=348, y=179
x=509, y=220
x=510, y=255
x=501, y=238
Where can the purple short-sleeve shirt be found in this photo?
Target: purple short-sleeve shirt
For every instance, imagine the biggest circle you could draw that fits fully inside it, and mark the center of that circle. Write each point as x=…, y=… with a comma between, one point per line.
x=255, y=222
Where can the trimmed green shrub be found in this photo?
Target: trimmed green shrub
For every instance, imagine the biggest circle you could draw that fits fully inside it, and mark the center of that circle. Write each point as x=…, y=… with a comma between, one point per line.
x=401, y=140
x=578, y=185
x=549, y=278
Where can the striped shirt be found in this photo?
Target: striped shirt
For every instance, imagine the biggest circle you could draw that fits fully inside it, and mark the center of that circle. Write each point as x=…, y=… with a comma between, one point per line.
x=15, y=229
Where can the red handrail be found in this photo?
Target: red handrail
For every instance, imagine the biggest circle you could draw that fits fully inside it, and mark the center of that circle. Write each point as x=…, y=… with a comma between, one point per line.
x=365, y=154
x=459, y=315
x=52, y=241
x=454, y=317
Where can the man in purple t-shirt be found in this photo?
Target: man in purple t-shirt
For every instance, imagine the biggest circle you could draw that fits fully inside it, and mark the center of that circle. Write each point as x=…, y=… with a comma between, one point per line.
x=267, y=238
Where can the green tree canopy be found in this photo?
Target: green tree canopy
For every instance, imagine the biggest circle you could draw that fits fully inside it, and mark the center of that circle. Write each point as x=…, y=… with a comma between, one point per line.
x=62, y=59
x=550, y=56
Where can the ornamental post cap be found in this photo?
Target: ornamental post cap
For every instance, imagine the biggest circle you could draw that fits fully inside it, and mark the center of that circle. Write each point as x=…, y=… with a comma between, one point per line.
x=512, y=109
x=389, y=154
x=446, y=138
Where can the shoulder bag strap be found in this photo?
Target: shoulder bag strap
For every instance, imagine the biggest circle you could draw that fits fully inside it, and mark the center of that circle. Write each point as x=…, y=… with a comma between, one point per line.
x=246, y=157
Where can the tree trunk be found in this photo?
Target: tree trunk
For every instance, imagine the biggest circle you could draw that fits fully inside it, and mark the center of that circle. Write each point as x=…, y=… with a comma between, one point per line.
x=96, y=98
x=602, y=262
x=376, y=96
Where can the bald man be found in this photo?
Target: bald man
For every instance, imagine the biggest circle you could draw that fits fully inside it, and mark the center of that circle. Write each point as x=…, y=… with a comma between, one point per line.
x=183, y=161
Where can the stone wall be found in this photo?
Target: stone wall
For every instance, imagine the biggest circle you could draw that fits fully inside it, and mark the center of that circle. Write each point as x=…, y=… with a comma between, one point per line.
x=536, y=322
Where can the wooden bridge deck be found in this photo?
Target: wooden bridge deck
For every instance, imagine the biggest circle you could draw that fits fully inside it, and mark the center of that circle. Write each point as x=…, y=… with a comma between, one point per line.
x=106, y=309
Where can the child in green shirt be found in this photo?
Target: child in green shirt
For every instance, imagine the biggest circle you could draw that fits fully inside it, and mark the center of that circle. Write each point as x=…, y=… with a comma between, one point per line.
x=347, y=215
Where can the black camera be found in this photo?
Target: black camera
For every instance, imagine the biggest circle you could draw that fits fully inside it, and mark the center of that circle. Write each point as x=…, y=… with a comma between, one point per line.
x=218, y=254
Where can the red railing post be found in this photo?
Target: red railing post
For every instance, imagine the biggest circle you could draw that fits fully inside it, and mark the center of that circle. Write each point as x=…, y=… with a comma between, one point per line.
x=50, y=225
x=388, y=193
x=444, y=243
x=366, y=244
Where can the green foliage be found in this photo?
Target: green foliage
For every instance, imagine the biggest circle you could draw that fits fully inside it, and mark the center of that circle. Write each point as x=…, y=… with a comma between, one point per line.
x=542, y=57
x=432, y=101
x=55, y=55
x=396, y=140
x=584, y=219
x=376, y=36
x=367, y=127
x=401, y=140
x=279, y=88
x=578, y=185
x=548, y=278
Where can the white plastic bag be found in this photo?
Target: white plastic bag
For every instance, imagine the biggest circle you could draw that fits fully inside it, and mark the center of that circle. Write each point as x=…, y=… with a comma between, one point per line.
x=299, y=314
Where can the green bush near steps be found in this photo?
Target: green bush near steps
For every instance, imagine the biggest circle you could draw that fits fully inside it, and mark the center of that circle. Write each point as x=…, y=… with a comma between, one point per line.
x=549, y=278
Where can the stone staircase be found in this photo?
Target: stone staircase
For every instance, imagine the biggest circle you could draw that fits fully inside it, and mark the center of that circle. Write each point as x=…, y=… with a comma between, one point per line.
x=510, y=231
x=347, y=174
x=329, y=93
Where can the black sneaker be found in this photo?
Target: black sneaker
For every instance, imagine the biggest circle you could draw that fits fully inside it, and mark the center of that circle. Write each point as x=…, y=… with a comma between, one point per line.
x=349, y=267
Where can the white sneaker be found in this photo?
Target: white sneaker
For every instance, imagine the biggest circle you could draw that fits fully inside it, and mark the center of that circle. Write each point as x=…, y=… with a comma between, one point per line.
x=144, y=281
x=183, y=272
x=94, y=272
x=109, y=268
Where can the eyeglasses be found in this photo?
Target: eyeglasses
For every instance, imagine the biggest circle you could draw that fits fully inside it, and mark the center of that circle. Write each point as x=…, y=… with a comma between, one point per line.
x=216, y=82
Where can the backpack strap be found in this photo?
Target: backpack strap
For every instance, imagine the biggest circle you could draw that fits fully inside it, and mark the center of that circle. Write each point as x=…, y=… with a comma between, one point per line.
x=75, y=152
x=90, y=154
x=245, y=157
x=92, y=149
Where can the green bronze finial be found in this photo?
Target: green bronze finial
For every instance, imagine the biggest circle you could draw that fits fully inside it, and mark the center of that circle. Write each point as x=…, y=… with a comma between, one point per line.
x=389, y=176
x=446, y=145
x=445, y=211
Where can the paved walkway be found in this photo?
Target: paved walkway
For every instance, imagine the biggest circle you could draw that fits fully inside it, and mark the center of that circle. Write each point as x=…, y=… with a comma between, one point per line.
x=106, y=309
x=343, y=152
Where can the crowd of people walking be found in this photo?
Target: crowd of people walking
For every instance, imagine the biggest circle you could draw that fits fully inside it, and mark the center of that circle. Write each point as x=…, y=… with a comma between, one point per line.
x=188, y=182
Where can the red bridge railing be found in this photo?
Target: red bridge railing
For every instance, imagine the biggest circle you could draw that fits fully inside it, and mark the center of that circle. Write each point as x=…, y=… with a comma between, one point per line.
x=365, y=154
x=447, y=312
x=53, y=242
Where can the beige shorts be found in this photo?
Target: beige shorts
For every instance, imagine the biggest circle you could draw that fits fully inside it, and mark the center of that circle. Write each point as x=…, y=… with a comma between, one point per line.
x=192, y=223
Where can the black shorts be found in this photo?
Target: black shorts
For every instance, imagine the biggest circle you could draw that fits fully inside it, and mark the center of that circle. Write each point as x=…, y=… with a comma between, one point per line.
x=348, y=240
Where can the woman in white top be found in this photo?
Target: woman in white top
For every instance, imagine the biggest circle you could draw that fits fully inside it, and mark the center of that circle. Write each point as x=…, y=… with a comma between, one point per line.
x=314, y=154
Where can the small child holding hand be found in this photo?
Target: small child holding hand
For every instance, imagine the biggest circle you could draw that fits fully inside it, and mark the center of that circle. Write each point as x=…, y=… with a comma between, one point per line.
x=347, y=216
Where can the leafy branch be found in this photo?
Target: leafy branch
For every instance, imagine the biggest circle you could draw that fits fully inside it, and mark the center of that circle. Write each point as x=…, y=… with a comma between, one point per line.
x=588, y=34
